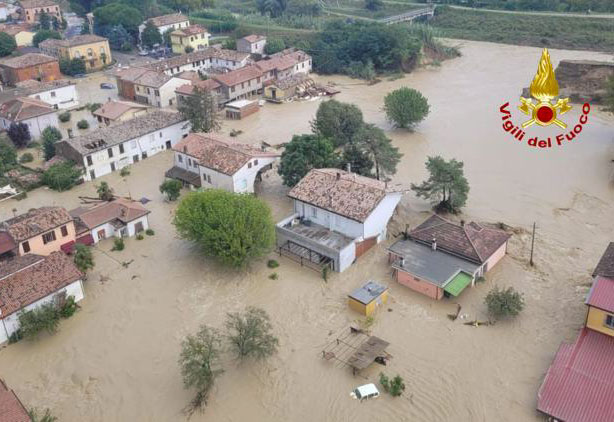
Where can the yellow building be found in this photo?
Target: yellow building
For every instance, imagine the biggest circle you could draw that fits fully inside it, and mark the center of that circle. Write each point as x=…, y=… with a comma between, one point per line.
x=23, y=34
x=367, y=298
x=600, y=316
x=94, y=50
x=194, y=36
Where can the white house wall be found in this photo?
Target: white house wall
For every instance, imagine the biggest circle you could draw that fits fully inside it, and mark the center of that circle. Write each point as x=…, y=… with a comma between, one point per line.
x=11, y=323
x=244, y=179
x=332, y=221
x=110, y=231
x=36, y=125
x=61, y=98
x=376, y=223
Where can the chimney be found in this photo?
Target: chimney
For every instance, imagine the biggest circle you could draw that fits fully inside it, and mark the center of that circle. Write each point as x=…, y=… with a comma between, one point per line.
x=348, y=167
x=338, y=176
x=434, y=244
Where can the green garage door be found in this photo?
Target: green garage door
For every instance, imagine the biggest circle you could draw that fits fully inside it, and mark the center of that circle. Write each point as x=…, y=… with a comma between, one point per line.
x=458, y=283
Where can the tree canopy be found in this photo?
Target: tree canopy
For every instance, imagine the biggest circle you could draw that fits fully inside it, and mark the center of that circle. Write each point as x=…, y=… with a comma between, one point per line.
x=379, y=150
x=274, y=45
x=231, y=227
x=118, y=14
x=62, y=176
x=273, y=8
x=171, y=188
x=201, y=110
x=337, y=121
x=151, y=35
x=249, y=334
x=405, y=107
x=50, y=136
x=7, y=44
x=45, y=34
x=83, y=257
x=446, y=188
x=8, y=156
x=19, y=134
x=303, y=153
x=504, y=302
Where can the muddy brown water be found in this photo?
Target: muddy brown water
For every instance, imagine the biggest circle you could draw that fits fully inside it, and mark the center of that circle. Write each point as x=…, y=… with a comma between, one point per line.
x=116, y=359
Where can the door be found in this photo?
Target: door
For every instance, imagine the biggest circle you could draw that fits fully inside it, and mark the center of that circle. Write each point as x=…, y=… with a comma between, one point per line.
x=274, y=93
x=138, y=227
x=101, y=234
x=92, y=174
x=168, y=144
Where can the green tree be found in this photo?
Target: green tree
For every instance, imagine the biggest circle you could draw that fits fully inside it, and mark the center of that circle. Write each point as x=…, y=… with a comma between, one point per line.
x=72, y=67
x=405, y=107
x=45, y=34
x=50, y=136
x=44, y=21
x=446, y=188
x=19, y=134
x=249, y=334
x=171, y=188
x=85, y=29
x=7, y=44
x=202, y=110
x=200, y=364
x=273, y=8
x=42, y=318
x=62, y=176
x=395, y=387
x=337, y=121
x=274, y=45
x=378, y=148
x=374, y=5
x=504, y=302
x=231, y=227
x=303, y=153
x=83, y=258
x=359, y=160
x=105, y=192
x=8, y=156
x=112, y=14
x=150, y=35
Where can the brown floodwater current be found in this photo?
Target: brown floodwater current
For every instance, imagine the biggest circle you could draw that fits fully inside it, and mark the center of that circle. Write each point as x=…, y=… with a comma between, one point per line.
x=116, y=359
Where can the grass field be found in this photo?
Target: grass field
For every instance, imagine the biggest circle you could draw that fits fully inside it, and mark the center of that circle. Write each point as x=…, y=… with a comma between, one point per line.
x=541, y=31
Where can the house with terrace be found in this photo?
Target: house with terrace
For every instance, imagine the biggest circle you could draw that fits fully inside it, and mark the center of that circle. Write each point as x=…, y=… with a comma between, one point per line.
x=92, y=49
x=111, y=148
x=203, y=160
x=440, y=258
x=120, y=217
x=27, y=282
x=60, y=94
x=338, y=216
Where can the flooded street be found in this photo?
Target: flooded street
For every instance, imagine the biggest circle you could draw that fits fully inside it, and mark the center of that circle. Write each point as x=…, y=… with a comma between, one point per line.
x=116, y=359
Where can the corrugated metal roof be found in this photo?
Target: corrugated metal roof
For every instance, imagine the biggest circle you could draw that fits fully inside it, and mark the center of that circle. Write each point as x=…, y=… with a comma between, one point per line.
x=458, y=283
x=368, y=293
x=579, y=385
x=602, y=294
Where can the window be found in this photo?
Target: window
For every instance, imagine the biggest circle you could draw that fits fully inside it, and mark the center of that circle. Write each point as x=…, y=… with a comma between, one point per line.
x=189, y=162
x=48, y=237
x=144, y=155
x=249, y=165
x=52, y=94
x=26, y=247
x=148, y=91
x=314, y=212
x=242, y=85
x=77, y=54
x=121, y=148
x=102, y=50
x=110, y=152
x=157, y=93
x=64, y=231
x=90, y=52
x=209, y=178
x=160, y=134
x=609, y=321
x=135, y=158
x=255, y=162
x=89, y=160
x=92, y=174
x=112, y=166
x=180, y=158
x=232, y=89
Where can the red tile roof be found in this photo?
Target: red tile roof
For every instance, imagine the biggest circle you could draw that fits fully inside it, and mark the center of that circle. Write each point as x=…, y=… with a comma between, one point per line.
x=276, y=63
x=120, y=209
x=605, y=267
x=187, y=89
x=113, y=110
x=37, y=281
x=602, y=294
x=7, y=243
x=579, y=385
x=11, y=408
x=27, y=60
x=169, y=19
x=190, y=30
x=238, y=76
x=24, y=108
x=254, y=38
x=471, y=241
x=34, y=222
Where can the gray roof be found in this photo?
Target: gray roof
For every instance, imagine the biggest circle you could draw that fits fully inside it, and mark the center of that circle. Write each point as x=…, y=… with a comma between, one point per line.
x=435, y=266
x=116, y=134
x=368, y=293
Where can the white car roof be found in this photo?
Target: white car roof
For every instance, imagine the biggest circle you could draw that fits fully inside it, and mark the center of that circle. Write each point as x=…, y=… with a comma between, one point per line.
x=367, y=389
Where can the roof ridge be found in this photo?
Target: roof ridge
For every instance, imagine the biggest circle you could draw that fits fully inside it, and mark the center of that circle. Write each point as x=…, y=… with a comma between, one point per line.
x=471, y=241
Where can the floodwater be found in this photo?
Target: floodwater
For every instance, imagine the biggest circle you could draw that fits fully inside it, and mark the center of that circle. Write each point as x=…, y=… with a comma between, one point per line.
x=116, y=359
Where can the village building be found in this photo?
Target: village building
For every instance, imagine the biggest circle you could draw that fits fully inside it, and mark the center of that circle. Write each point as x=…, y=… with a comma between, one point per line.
x=440, y=258
x=22, y=33
x=366, y=299
x=126, y=81
x=36, y=114
x=166, y=23
x=210, y=59
x=252, y=44
x=94, y=50
x=276, y=68
x=120, y=217
x=119, y=111
x=156, y=89
x=286, y=89
x=4, y=12
x=302, y=59
x=60, y=94
x=188, y=90
x=32, y=9
x=27, y=282
x=11, y=408
x=29, y=66
x=207, y=161
x=239, y=109
x=242, y=83
x=338, y=216
x=194, y=36
x=39, y=231
x=111, y=148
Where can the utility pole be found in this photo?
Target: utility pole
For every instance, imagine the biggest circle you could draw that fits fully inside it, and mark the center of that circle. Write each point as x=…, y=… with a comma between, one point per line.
x=532, y=244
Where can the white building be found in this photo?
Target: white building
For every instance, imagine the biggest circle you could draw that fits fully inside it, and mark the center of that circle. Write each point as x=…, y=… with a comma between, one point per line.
x=4, y=11
x=60, y=94
x=205, y=60
x=338, y=216
x=36, y=114
x=29, y=281
x=167, y=22
x=204, y=161
x=110, y=148
x=252, y=44
x=118, y=218
x=303, y=61
x=157, y=89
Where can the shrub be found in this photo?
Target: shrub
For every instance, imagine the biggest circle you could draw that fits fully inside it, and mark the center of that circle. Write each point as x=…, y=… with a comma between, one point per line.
x=504, y=303
x=64, y=117
x=83, y=124
x=274, y=276
x=171, y=188
x=50, y=136
x=44, y=417
x=105, y=192
x=83, y=258
x=93, y=107
x=43, y=318
x=26, y=158
x=249, y=334
x=395, y=387
x=125, y=171
x=140, y=236
x=69, y=307
x=149, y=232
x=118, y=244
x=61, y=176
x=325, y=272
x=272, y=263
x=19, y=134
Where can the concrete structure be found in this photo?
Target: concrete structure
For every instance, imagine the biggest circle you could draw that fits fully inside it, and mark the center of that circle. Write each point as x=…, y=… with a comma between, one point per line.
x=29, y=66
x=119, y=111
x=206, y=161
x=28, y=282
x=60, y=94
x=237, y=110
x=239, y=84
x=338, y=216
x=194, y=36
x=108, y=149
x=11, y=408
x=166, y=23
x=23, y=33
x=439, y=258
x=366, y=299
x=118, y=218
x=252, y=44
x=36, y=114
x=39, y=231
x=32, y=9
x=94, y=50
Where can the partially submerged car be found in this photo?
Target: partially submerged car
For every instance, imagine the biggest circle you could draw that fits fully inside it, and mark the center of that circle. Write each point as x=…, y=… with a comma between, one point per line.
x=365, y=392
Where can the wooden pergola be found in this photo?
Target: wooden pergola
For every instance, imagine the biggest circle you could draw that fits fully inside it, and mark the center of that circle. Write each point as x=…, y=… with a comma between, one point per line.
x=357, y=349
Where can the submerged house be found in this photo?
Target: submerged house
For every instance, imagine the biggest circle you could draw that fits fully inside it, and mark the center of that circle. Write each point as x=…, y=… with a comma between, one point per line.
x=439, y=258
x=205, y=161
x=366, y=299
x=338, y=216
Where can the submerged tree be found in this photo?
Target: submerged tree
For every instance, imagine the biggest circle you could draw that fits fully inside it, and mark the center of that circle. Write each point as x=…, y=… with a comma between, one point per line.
x=504, y=302
x=446, y=187
x=202, y=110
x=105, y=192
x=199, y=363
x=171, y=188
x=405, y=107
x=303, y=153
x=83, y=258
x=338, y=122
x=379, y=149
x=249, y=334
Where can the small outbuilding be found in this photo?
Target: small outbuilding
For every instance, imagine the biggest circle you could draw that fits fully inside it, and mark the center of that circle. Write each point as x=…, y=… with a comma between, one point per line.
x=237, y=110
x=367, y=298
